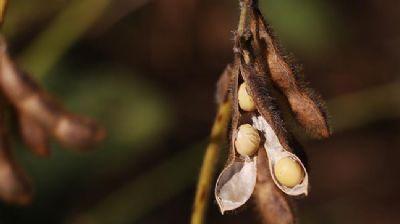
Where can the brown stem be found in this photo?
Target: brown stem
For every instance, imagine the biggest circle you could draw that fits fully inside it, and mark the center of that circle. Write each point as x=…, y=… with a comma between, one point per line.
x=207, y=171
x=3, y=7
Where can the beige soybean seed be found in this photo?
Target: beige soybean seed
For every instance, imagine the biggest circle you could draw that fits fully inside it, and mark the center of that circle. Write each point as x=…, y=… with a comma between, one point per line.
x=247, y=140
x=246, y=103
x=288, y=172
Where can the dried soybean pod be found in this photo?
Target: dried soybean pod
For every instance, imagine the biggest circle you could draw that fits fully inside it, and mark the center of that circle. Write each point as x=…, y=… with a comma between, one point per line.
x=274, y=206
x=257, y=84
x=269, y=123
x=21, y=90
x=14, y=184
x=276, y=151
x=78, y=132
x=34, y=135
x=305, y=104
x=236, y=182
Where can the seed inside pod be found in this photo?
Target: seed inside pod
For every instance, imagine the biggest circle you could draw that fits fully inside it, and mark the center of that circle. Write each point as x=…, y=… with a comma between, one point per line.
x=246, y=103
x=247, y=140
x=288, y=172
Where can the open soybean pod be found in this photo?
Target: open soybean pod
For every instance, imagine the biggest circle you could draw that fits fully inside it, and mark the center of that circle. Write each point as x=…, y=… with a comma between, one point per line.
x=307, y=107
x=14, y=184
x=274, y=206
x=29, y=99
x=236, y=182
x=269, y=123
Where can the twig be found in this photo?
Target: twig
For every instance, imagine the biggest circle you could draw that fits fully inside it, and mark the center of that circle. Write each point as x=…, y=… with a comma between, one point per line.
x=218, y=133
x=3, y=6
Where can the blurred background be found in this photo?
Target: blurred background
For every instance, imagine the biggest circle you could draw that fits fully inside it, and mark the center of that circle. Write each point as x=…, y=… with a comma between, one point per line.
x=146, y=69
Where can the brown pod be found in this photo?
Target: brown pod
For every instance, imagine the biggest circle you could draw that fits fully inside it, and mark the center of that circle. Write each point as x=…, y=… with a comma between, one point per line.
x=21, y=90
x=34, y=135
x=306, y=106
x=270, y=123
x=254, y=74
x=78, y=132
x=274, y=207
x=15, y=186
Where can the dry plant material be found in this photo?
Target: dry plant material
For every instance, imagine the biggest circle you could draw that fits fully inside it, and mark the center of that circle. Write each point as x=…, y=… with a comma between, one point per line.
x=261, y=155
x=40, y=117
x=223, y=84
x=42, y=110
x=272, y=204
x=3, y=6
x=34, y=135
x=306, y=105
x=14, y=184
x=236, y=182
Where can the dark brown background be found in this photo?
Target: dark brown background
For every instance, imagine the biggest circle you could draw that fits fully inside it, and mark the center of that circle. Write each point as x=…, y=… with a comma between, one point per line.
x=147, y=69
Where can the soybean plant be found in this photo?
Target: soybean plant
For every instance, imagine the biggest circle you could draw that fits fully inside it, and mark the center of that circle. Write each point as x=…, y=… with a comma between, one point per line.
x=262, y=159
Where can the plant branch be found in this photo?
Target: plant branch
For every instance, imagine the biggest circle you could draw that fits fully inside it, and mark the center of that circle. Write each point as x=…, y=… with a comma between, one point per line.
x=218, y=133
x=3, y=6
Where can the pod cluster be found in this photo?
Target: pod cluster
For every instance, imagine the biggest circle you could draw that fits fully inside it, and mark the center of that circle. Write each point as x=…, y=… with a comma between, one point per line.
x=261, y=149
x=40, y=118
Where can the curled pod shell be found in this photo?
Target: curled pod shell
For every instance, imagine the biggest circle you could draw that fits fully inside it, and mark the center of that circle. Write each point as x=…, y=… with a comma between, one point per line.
x=305, y=104
x=276, y=152
x=236, y=182
x=274, y=206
